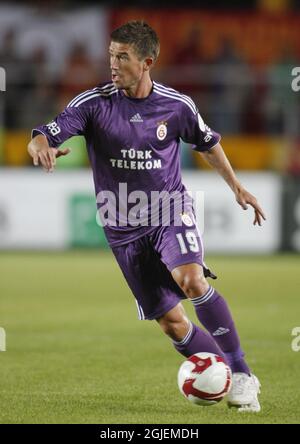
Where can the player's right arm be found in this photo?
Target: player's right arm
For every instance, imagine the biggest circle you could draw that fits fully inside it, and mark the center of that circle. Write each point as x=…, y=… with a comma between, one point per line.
x=46, y=139
x=43, y=154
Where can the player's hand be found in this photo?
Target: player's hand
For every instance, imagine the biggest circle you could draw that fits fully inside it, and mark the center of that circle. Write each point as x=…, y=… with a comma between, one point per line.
x=46, y=156
x=244, y=198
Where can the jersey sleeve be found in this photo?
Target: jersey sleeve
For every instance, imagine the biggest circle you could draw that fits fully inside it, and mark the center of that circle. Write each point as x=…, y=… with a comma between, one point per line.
x=71, y=122
x=193, y=130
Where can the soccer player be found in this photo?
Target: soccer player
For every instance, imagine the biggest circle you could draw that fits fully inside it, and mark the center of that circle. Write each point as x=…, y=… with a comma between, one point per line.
x=133, y=126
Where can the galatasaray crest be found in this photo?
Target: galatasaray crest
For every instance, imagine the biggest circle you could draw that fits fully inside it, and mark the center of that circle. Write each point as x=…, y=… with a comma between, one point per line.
x=161, y=131
x=187, y=220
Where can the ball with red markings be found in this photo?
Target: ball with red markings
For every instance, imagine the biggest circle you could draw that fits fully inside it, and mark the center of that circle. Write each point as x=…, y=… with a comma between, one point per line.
x=204, y=378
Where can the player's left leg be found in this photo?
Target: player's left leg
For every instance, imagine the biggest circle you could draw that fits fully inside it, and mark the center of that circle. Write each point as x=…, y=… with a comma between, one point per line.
x=213, y=312
x=181, y=251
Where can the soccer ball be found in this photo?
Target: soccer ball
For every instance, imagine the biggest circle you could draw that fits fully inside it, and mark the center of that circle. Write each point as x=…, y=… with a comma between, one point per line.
x=204, y=378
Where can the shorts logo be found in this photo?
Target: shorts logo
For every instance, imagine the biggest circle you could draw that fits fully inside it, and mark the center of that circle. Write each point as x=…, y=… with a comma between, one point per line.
x=161, y=131
x=186, y=219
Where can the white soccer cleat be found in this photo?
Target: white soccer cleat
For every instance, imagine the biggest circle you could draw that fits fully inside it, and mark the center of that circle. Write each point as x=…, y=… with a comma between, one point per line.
x=243, y=393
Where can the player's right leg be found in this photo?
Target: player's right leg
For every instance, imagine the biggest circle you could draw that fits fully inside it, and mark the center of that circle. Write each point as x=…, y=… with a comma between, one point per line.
x=187, y=338
x=158, y=297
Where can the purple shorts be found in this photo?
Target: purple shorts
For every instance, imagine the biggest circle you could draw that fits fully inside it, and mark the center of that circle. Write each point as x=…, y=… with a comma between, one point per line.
x=146, y=264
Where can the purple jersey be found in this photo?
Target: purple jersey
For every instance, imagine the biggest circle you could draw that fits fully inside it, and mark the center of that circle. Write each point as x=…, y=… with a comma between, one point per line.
x=133, y=143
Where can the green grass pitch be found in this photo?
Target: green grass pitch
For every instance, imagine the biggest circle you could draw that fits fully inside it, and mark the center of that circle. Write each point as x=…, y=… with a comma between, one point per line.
x=76, y=352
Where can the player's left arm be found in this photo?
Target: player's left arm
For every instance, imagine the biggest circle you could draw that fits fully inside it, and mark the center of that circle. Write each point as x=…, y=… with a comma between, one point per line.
x=216, y=158
x=207, y=142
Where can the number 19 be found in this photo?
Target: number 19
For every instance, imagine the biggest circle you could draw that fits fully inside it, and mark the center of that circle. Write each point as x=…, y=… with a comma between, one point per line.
x=191, y=244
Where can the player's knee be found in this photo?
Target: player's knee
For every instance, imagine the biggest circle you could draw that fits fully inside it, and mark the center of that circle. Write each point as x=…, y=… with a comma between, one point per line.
x=194, y=285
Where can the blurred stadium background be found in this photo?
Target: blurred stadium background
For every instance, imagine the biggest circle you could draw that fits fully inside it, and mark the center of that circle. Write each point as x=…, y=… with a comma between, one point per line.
x=236, y=62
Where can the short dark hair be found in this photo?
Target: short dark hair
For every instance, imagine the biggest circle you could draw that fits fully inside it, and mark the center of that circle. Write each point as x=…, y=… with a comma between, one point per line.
x=139, y=34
